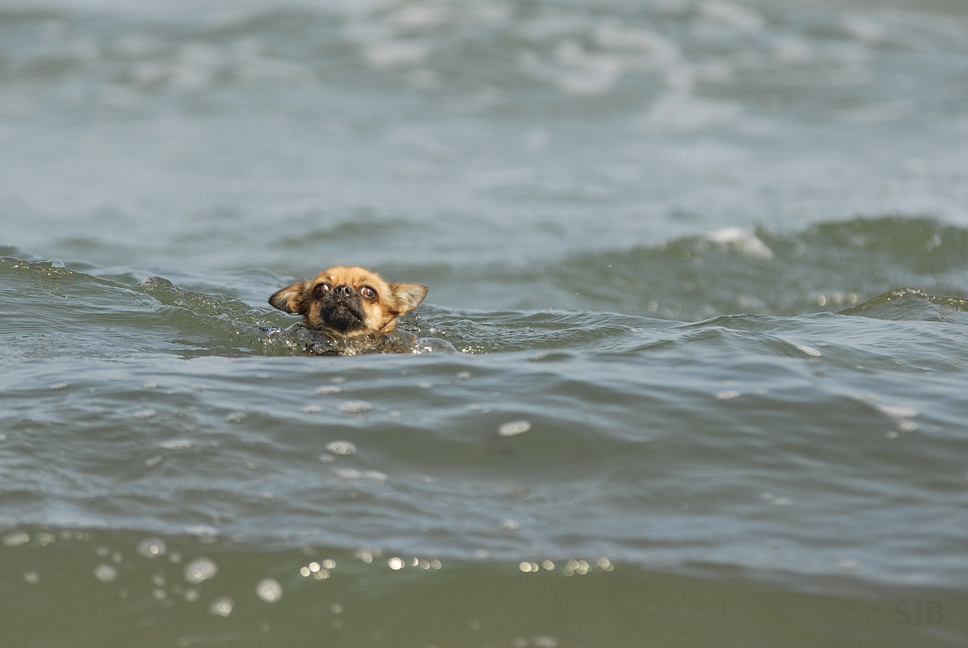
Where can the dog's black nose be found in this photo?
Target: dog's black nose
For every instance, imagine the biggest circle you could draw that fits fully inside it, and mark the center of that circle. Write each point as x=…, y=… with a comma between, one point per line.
x=343, y=292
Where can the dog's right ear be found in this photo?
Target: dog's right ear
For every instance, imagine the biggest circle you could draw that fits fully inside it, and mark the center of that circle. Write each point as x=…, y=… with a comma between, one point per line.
x=290, y=299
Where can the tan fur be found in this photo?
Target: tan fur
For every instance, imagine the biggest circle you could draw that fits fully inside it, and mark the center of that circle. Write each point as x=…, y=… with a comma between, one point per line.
x=339, y=301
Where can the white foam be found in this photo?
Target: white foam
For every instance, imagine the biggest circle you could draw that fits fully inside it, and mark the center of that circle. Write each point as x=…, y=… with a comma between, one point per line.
x=660, y=50
x=898, y=411
x=718, y=17
x=792, y=50
x=177, y=444
x=513, y=428
x=392, y=55
x=810, y=351
x=683, y=112
x=741, y=241
x=355, y=407
x=344, y=448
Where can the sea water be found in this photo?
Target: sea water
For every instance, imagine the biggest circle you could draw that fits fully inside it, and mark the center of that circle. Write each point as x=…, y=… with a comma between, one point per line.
x=692, y=370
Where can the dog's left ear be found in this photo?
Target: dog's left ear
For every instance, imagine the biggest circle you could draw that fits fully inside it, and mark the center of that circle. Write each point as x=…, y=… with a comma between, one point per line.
x=407, y=296
x=290, y=299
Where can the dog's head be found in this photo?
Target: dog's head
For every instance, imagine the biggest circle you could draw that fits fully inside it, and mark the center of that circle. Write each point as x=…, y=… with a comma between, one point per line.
x=349, y=301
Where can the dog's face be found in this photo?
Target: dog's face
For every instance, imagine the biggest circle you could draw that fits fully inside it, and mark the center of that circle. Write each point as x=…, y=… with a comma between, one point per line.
x=349, y=301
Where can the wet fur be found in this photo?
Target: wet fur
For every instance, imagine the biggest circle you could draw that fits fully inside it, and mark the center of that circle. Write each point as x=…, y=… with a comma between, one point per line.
x=349, y=301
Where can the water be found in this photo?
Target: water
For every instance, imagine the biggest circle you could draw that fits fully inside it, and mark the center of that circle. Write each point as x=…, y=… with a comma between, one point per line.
x=704, y=266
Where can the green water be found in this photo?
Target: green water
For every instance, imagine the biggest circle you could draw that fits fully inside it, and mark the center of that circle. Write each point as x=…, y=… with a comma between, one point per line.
x=97, y=589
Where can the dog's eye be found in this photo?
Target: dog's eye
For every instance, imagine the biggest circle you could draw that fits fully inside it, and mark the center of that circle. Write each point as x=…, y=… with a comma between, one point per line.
x=321, y=289
x=368, y=293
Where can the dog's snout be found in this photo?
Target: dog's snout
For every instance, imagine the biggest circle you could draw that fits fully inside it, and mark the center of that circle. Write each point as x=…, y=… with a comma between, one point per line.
x=343, y=292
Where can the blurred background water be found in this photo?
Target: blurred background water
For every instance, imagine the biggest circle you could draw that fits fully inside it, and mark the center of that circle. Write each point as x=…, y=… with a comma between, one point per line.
x=704, y=262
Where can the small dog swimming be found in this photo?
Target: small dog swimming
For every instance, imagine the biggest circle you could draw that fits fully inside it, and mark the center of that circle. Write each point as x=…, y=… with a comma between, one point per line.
x=349, y=303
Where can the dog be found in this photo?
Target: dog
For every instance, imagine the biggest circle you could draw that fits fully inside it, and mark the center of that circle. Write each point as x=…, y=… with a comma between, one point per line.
x=349, y=302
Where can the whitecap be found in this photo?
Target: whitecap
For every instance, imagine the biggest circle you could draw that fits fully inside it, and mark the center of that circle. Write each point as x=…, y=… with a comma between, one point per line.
x=898, y=411
x=513, y=428
x=734, y=238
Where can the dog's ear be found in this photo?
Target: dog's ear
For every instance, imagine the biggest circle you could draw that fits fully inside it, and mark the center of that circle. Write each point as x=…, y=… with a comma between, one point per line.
x=407, y=296
x=290, y=299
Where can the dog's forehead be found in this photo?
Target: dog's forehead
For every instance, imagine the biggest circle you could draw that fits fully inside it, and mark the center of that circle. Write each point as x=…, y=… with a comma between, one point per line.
x=350, y=275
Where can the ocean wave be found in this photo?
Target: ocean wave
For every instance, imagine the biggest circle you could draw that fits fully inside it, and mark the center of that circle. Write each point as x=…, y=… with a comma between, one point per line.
x=625, y=294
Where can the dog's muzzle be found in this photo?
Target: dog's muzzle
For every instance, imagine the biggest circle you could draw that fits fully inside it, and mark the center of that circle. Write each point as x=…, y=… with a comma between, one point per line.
x=342, y=309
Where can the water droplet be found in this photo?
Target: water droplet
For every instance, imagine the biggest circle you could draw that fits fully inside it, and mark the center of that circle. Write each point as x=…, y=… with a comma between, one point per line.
x=200, y=570
x=221, y=606
x=269, y=590
x=16, y=539
x=151, y=547
x=105, y=572
x=31, y=577
x=396, y=564
x=513, y=428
